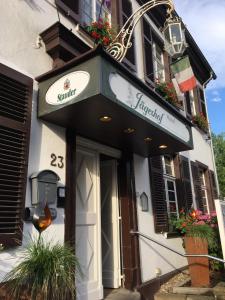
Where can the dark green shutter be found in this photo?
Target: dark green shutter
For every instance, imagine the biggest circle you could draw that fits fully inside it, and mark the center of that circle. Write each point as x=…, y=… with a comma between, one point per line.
x=213, y=187
x=15, y=111
x=197, y=185
x=158, y=194
x=186, y=179
x=183, y=183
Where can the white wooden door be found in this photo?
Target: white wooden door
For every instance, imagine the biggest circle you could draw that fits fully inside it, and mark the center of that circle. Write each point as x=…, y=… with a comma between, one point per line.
x=110, y=225
x=88, y=231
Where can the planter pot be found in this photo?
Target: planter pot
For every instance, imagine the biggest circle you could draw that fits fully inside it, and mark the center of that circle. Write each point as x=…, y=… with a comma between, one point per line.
x=198, y=266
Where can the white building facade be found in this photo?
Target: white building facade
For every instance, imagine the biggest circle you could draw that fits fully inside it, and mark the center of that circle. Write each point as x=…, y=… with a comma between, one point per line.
x=106, y=150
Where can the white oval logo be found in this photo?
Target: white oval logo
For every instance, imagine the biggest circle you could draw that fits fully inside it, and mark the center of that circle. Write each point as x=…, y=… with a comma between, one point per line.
x=67, y=87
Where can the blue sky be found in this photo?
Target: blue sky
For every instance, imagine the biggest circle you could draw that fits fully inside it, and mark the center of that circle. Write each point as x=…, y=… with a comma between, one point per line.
x=205, y=19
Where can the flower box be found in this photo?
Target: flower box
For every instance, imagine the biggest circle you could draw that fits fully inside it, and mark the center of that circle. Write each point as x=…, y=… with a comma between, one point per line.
x=201, y=121
x=168, y=92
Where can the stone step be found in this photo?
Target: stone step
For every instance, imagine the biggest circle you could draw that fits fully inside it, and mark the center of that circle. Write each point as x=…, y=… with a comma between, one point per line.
x=122, y=294
x=183, y=297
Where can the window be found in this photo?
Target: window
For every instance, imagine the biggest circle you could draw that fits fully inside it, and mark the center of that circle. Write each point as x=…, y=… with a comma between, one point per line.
x=154, y=62
x=170, y=186
x=85, y=11
x=92, y=10
x=130, y=60
x=201, y=98
x=205, y=186
x=190, y=103
x=202, y=176
x=159, y=71
x=147, y=35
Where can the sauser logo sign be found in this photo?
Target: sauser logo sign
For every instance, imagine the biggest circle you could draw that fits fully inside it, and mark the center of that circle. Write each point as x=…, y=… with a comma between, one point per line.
x=69, y=92
x=67, y=88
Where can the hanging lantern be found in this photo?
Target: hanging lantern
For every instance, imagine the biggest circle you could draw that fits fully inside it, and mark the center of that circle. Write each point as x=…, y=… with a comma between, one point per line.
x=175, y=42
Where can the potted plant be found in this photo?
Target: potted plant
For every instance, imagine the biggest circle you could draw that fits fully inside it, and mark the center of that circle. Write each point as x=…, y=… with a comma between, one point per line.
x=200, y=120
x=101, y=32
x=200, y=237
x=168, y=92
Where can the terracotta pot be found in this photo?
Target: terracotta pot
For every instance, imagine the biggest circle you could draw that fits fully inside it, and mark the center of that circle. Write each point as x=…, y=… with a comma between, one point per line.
x=198, y=266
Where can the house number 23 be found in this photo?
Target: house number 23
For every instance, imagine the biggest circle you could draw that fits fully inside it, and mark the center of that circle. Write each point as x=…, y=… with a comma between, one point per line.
x=57, y=161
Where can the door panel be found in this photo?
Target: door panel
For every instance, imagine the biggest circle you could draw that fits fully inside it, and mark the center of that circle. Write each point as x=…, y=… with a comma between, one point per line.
x=89, y=285
x=110, y=225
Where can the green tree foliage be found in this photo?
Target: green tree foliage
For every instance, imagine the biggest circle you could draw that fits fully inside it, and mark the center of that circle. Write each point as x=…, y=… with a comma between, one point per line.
x=219, y=150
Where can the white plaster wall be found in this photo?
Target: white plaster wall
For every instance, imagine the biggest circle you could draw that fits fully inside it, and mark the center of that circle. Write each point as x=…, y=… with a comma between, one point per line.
x=21, y=22
x=44, y=140
x=152, y=255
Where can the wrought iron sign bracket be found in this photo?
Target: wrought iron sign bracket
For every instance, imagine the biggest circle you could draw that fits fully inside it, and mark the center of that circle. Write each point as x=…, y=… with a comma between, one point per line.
x=118, y=48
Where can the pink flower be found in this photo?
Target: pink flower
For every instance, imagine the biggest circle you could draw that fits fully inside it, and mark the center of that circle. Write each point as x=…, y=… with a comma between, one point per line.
x=213, y=214
x=213, y=225
x=200, y=223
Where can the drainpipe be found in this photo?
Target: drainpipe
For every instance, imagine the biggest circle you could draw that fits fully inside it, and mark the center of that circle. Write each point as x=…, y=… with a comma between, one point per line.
x=212, y=76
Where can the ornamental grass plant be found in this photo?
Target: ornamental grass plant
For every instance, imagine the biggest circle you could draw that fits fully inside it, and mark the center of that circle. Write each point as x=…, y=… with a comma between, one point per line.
x=46, y=271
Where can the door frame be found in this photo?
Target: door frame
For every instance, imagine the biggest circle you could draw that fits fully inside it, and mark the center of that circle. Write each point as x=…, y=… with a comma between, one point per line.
x=127, y=203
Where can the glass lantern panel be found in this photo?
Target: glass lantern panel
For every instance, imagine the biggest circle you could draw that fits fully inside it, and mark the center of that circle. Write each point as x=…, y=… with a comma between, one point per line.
x=176, y=33
x=167, y=34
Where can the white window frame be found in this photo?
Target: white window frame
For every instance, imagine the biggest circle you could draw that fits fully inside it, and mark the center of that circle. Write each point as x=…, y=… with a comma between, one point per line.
x=171, y=178
x=158, y=64
x=204, y=190
x=192, y=102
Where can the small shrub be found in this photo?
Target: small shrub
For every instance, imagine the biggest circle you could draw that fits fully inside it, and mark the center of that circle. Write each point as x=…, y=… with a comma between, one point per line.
x=46, y=271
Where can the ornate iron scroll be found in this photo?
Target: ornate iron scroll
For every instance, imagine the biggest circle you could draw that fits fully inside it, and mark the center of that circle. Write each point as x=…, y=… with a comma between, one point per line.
x=119, y=46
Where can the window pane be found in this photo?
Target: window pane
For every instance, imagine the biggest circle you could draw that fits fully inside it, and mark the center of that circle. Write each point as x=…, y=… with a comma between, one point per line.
x=170, y=185
x=173, y=207
x=171, y=196
x=86, y=12
x=168, y=165
x=175, y=32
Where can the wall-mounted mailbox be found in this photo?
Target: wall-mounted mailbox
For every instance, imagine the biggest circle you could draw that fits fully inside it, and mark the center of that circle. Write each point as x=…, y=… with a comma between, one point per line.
x=144, y=202
x=44, y=187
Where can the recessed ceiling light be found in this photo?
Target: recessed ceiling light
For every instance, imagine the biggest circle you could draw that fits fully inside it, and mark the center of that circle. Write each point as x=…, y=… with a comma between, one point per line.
x=162, y=147
x=147, y=139
x=129, y=130
x=105, y=119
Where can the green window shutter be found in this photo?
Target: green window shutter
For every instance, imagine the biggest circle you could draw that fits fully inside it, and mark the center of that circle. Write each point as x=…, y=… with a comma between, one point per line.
x=213, y=185
x=15, y=113
x=158, y=194
x=197, y=185
x=186, y=179
x=179, y=183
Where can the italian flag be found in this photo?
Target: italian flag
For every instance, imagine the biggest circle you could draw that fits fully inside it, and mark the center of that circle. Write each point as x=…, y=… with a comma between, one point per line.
x=184, y=74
